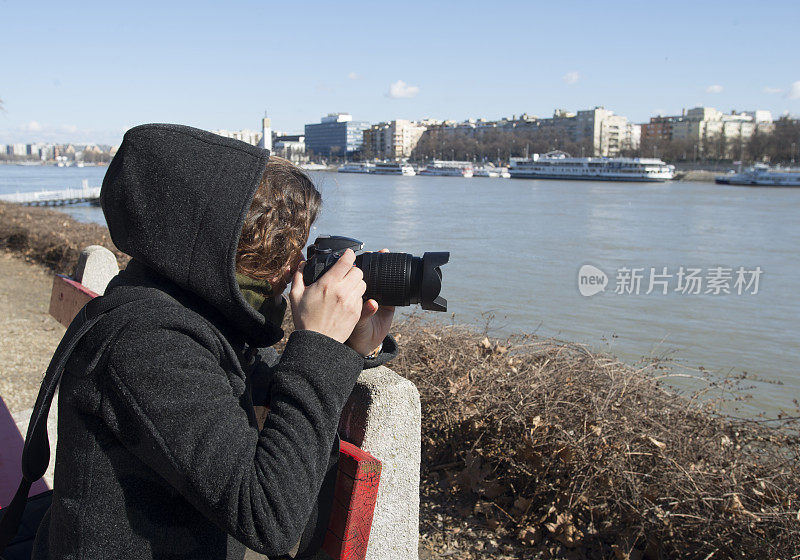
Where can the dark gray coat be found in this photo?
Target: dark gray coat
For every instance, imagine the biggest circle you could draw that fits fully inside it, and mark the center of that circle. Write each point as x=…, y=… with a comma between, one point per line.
x=159, y=454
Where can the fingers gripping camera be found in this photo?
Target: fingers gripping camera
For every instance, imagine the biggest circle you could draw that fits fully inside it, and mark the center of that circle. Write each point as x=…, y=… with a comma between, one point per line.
x=391, y=278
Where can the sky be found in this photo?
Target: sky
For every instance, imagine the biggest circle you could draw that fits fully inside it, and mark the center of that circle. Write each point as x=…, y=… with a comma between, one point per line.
x=87, y=71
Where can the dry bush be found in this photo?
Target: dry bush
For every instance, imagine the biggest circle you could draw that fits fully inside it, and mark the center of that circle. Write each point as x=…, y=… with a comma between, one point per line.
x=556, y=443
x=49, y=237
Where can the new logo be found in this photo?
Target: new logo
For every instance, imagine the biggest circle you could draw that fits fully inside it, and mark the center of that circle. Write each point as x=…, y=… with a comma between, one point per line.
x=591, y=280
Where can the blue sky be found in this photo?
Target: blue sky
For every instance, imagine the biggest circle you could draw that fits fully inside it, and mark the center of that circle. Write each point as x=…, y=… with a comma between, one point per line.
x=86, y=71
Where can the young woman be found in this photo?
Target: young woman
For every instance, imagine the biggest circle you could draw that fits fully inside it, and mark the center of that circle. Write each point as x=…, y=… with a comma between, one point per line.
x=159, y=452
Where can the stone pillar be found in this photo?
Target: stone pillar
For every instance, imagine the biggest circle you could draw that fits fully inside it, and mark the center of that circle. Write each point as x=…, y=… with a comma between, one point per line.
x=96, y=267
x=383, y=417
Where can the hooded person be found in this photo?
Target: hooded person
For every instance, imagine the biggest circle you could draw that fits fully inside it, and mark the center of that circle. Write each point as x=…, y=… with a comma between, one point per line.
x=159, y=452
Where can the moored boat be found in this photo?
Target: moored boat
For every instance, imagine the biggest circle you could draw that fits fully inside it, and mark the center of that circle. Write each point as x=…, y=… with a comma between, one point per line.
x=491, y=171
x=356, y=167
x=762, y=175
x=388, y=168
x=313, y=166
x=560, y=165
x=441, y=168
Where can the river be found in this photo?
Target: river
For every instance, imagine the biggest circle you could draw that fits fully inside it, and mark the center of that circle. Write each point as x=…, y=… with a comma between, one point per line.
x=517, y=247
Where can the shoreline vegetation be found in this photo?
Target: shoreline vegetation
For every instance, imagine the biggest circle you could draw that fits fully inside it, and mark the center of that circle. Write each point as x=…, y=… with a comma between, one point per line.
x=539, y=448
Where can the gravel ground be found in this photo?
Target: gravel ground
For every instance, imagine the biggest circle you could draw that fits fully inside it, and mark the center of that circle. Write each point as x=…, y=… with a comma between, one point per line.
x=28, y=335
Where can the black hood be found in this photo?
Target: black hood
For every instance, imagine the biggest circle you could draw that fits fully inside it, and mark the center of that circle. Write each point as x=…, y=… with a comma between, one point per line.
x=175, y=199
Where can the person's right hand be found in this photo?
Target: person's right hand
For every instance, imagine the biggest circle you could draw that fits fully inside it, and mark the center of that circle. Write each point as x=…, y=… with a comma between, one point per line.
x=331, y=305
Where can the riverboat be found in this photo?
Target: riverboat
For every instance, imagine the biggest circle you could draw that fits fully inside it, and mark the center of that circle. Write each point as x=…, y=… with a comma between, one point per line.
x=441, y=168
x=762, y=175
x=393, y=169
x=560, y=165
x=356, y=167
x=490, y=171
x=313, y=167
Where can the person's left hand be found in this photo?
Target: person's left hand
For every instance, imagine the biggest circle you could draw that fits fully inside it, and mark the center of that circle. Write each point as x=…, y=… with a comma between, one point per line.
x=372, y=327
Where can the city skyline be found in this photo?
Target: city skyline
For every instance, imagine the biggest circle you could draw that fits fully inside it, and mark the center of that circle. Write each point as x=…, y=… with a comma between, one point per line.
x=88, y=73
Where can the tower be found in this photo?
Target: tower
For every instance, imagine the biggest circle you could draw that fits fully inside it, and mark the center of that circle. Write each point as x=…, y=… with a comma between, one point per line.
x=266, y=133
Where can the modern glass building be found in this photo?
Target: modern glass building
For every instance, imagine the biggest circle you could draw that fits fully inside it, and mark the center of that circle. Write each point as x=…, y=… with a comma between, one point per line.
x=335, y=135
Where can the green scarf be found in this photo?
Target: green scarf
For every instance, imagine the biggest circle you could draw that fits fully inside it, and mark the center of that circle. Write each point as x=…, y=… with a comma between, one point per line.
x=258, y=293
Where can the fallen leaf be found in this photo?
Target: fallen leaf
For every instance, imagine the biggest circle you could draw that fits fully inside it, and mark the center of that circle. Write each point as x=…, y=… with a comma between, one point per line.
x=522, y=504
x=529, y=535
x=564, y=530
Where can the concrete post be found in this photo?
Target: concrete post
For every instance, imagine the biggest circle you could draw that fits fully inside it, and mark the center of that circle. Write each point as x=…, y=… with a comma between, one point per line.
x=383, y=418
x=96, y=267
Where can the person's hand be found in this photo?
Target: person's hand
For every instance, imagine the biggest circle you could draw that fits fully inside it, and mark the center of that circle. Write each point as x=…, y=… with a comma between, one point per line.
x=372, y=327
x=333, y=304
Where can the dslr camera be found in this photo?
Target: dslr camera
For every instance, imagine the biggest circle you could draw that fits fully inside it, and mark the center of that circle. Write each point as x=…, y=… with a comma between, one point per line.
x=391, y=278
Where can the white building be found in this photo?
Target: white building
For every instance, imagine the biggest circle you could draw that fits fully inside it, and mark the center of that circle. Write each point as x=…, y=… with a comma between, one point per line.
x=706, y=125
x=245, y=135
x=290, y=146
x=394, y=140
x=599, y=130
x=253, y=137
x=607, y=134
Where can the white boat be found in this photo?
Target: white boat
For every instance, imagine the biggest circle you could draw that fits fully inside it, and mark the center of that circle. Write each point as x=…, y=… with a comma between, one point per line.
x=441, y=168
x=356, y=167
x=560, y=165
x=313, y=166
x=762, y=175
x=491, y=171
x=393, y=169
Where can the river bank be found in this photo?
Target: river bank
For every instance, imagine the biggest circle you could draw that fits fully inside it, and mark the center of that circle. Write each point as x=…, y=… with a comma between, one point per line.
x=697, y=176
x=532, y=447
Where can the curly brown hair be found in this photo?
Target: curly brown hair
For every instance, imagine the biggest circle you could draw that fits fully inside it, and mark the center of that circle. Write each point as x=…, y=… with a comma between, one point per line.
x=276, y=228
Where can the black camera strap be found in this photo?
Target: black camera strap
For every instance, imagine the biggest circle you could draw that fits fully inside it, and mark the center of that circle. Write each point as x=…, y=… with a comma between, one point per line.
x=36, y=452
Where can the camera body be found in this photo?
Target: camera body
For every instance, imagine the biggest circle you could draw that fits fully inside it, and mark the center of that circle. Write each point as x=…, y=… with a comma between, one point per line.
x=398, y=279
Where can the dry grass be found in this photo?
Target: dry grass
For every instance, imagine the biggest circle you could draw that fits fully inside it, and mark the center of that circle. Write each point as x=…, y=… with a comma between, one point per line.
x=50, y=237
x=565, y=449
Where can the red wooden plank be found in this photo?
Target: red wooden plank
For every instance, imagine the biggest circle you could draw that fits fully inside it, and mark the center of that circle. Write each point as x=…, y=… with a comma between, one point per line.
x=67, y=298
x=354, y=504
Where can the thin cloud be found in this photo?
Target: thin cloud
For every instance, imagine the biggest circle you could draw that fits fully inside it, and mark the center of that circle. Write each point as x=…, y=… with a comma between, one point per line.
x=32, y=126
x=716, y=88
x=354, y=76
x=772, y=90
x=794, y=90
x=401, y=90
x=571, y=77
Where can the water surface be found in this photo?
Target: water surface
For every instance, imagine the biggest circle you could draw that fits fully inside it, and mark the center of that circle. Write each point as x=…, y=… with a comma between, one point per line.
x=516, y=247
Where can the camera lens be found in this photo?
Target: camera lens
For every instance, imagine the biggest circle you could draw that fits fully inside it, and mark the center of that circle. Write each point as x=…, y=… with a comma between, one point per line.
x=402, y=279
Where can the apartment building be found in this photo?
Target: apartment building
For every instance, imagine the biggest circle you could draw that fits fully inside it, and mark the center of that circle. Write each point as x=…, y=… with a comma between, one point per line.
x=394, y=140
x=705, y=125
x=601, y=131
x=606, y=133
